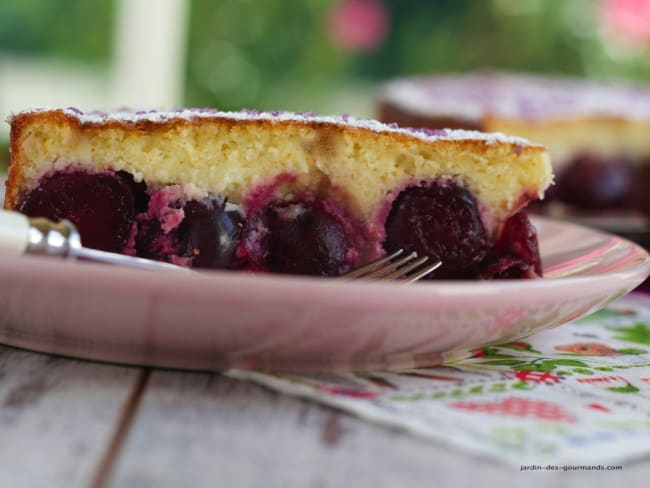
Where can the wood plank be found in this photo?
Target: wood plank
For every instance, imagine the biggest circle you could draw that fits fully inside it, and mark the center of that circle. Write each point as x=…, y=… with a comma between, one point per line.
x=206, y=430
x=56, y=417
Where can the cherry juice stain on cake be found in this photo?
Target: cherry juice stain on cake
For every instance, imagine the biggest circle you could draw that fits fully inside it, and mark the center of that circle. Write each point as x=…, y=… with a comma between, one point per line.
x=156, y=237
x=101, y=205
x=440, y=220
x=265, y=194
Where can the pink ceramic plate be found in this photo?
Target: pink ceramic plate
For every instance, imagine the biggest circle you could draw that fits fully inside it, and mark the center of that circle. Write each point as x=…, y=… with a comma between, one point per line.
x=217, y=320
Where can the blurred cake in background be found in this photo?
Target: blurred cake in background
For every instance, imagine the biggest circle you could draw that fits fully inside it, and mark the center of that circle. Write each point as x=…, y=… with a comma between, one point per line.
x=598, y=133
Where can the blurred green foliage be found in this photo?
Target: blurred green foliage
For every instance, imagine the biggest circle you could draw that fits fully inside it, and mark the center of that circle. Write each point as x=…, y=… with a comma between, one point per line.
x=245, y=53
x=452, y=35
x=241, y=51
x=282, y=54
x=4, y=157
x=78, y=29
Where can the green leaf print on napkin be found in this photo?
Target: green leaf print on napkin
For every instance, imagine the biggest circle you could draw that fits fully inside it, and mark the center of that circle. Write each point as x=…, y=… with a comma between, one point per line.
x=567, y=362
x=638, y=333
x=505, y=362
x=602, y=314
x=503, y=351
x=624, y=389
x=540, y=364
x=632, y=350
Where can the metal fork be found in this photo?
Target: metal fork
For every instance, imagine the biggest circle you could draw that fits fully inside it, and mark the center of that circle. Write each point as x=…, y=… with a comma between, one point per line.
x=409, y=268
x=22, y=235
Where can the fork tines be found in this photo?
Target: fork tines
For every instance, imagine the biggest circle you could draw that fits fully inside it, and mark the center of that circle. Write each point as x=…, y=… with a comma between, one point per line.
x=408, y=268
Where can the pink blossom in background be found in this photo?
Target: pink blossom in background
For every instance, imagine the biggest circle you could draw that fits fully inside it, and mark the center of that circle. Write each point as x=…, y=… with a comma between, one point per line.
x=627, y=20
x=358, y=25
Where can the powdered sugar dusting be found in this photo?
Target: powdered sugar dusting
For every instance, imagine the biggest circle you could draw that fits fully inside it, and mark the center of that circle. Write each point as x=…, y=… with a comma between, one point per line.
x=345, y=120
x=508, y=95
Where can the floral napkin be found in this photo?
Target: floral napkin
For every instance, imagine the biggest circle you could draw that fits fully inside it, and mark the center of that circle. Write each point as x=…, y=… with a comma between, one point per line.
x=579, y=393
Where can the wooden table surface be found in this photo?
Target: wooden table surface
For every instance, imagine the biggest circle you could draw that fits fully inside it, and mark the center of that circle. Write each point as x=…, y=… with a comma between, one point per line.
x=70, y=423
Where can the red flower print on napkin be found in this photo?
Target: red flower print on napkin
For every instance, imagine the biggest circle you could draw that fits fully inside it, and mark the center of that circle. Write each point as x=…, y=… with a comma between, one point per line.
x=537, y=376
x=518, y=407
x=348, y=392
x=599, y=407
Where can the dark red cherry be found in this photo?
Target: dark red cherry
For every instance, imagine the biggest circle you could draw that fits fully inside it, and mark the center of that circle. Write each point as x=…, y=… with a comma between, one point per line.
x=440, y=220
x=101, y=205
x=209, y=233
x=591, y=182
x=207, y=236
x=516, y=252
x=297, y=238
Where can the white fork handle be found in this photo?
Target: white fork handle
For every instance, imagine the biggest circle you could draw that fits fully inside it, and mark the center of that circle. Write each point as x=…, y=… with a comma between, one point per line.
x=14, y=233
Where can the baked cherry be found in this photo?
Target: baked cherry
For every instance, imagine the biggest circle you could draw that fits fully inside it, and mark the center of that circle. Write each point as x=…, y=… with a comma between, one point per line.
x=206, y=237
x=595, y=183
x=297, y=238
x=101, y=205
x=209, y=233
x=516, y=252
x=440, y=220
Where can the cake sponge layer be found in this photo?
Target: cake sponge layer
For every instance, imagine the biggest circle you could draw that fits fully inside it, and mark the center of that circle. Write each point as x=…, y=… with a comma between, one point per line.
x=230, y=153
